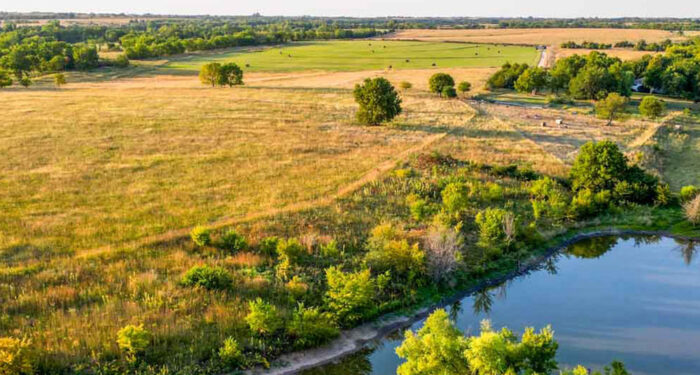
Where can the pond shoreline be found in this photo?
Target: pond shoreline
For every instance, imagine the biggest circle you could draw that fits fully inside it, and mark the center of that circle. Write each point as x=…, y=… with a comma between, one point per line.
x=353, y=340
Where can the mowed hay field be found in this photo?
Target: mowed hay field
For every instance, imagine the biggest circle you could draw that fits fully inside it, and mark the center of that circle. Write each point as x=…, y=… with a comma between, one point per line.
x=90, y=167
x=536, y=36
x=360, y=55
x=622, y=53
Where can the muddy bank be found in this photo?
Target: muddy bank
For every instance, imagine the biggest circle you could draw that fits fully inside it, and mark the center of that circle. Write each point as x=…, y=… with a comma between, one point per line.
x=353, y=340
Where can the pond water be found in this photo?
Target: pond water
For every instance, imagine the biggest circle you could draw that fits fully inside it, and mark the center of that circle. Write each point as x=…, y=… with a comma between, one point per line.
x=633, y=299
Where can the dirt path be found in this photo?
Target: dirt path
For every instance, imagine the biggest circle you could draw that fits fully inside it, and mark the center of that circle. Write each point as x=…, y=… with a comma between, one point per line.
x=353, y=340
x=374, y=174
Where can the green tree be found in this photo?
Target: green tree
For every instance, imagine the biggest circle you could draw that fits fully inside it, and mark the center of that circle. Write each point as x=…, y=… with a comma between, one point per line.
x=497, y=228
x=652, y=107
x=378, y=101
x=309, y=327
x=548, y=199
x=25, y=82
x=405, y=85
x=209, y=74
x=230, y=74
x=464, y=87
x=59, y=79
x=85, y=57
x=455, y=197
x=611, y=108
x=439, y=81
x=5, y=79
x=598, y=166
x=263, y=317
x=436, y=349
x=403, y=260
x=591, y=82
x=212, y=278
x=350, y=295
x=532, y=80
x=449, y=92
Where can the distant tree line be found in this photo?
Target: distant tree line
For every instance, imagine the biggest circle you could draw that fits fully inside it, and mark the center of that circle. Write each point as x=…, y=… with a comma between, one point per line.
x=675, y=73
x=641, y=45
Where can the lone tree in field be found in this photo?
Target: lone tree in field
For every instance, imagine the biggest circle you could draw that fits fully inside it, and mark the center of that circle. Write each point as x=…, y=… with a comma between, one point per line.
x=652, y=107
x=230, y=74
x=464, y=87
x=439, y=82
x=59, y=80
x=405, y=85
x=209, y=74
x=378, y=101
x=611, y=108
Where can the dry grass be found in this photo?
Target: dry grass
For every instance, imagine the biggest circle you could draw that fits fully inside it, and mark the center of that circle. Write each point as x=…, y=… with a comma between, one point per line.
x=117, y=163
x=623, y=54
x=536, y=36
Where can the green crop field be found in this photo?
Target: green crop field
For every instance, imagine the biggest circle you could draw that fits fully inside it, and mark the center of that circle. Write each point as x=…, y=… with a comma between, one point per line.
x=362, y=55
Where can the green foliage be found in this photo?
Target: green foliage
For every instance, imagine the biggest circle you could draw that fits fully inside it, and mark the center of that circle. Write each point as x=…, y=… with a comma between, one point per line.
x=85, y=57
x=268, y=246
x=15, y=356
x=229, y=75
x=464, y=87
x=439, y=81
x=212, y=278
x=652, y=107
x=586, y=203
x=133, y=339
x=506, y=76
x=688, y=193
x=309, y=327
x=436, y=349
x=5, y=78
x=419, y=208
x=350, y=295
x=122, y=61
x=603, y=167
x=498, y=353
x=201, y=236
x=611, y=108
x=290, y=249
x=663, y=195
x=59, y=79
x=403, y=260
x=378, y=101
x=232, y=241
x=405, y=85
x=263, y=317
x=449, y=92
x=230, y=353
x=209, y=74
x=25, y=82
x=548, y=199
x=455, y=197
x=532, y=79
x=497, y=228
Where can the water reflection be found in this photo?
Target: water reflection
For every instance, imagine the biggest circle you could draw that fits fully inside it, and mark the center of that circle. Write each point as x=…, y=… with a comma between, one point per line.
x=634, y=299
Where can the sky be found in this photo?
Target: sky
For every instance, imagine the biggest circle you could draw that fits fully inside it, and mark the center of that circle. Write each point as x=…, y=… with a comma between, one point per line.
x=369, y=8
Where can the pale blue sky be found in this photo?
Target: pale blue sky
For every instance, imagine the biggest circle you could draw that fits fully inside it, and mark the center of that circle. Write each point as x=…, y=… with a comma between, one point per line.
x=475, y=8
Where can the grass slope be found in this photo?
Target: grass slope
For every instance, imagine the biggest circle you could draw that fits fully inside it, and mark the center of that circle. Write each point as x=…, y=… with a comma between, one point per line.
x=361, y=55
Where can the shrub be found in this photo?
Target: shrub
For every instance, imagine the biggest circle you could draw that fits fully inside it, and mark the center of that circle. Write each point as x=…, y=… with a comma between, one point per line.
x=663, y=195
x=548, y=199
x=230, y=353
x=378, y=101
x=442, y=252
x=692, y=210
x=212, y=278
x=122, y=61
x=652, y=107
x=201, y=236
x=586, y=203
x=464, y=87
x=405, y=85
x=263, y=317
x=403, y=260
x=268, y=246
x=232, y=241
x=15, y=356
x=309, y=327
x=351, y=295
x=532, y=80
x=449, y=92
x=419, y=209
x=290, y=249
x=25, y=82
x=688, y=193
x=439, y=81
x=59, y=79
x=496, y=228
x=230, y=74
x=506, y=76
x=133, y=339
x=559, y=99
x=330, y=249
x=297, y=287
x=455, y=197
x=382, y=234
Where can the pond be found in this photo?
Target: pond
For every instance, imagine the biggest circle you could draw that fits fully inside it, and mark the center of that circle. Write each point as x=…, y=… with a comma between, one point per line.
x=633, y=299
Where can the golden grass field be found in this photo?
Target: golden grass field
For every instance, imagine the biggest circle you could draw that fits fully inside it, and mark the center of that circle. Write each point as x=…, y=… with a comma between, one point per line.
x=536, y=36
x=622, y=53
